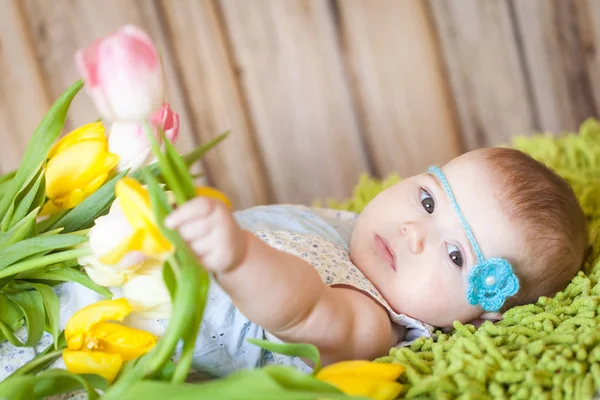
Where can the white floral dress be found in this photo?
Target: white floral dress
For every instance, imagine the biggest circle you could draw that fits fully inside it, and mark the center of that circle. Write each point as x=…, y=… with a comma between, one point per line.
x=319, y=236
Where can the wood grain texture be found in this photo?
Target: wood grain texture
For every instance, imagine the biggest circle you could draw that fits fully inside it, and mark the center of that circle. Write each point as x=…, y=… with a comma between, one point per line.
x=318, y=91
x=483, y=61
x=406, y=108
x=588, y=17
x=23, y=99
x=214, y=100
x=299, y=101
x=61, y=27
x=555, y=58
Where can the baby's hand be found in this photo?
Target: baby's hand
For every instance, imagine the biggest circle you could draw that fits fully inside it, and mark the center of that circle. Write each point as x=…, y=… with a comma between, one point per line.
x=212, y=233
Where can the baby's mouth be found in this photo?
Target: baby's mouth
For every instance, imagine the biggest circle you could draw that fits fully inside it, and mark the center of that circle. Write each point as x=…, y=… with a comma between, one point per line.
x=384, y=251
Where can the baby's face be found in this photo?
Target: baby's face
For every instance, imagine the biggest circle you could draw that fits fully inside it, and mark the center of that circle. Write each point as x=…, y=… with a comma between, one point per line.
x=410, y=243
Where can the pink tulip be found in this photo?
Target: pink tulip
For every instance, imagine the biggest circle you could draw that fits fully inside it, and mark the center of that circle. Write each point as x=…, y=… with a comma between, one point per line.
x=123, y=75
x=130, y=141
x=167, y=120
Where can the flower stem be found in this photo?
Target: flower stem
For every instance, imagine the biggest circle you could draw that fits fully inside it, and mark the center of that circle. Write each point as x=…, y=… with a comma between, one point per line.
x=179, y=324
x=189, y=341
x=38, y=362
x=43, y=261
x=166, y=169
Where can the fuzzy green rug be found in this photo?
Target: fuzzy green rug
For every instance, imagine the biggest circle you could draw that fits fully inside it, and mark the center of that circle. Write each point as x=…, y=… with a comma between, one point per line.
x=548, y=350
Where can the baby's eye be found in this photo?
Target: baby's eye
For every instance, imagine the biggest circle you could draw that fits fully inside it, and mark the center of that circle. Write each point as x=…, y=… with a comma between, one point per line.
x=455, y=255
x=427, y=201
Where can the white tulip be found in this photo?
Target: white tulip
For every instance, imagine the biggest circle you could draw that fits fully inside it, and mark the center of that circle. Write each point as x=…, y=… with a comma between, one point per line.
x=129, y=140
x=108, y=232
x=147, y=292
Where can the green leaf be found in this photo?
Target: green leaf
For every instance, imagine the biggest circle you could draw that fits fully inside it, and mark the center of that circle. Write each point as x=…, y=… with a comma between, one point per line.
x=86, y=212
x=5, y=182
x=39, y=144
x=36, y=245
x=249, y=384
x=166, y=372
x=72, y=275
x=305, y=350
x=53, y=232
x=36, y=263
x=291, y=378
x=189, y=159
x=169, y=278
x=181, y=170
x=32, y=274
x=40, y=198
x=34, y=198
x=166, y=169
x=31, y=304
x=51, y=306
x=8, y=176
x=43, y=225
x=17, y=388
x=57, y=381
x=198, y=153
x=39, y=362
x=160, y=204
x=26, y=193
x=10, y=314
x=23, y=229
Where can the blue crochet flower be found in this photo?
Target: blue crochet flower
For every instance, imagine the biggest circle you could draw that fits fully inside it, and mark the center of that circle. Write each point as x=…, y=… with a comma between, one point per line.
x=491, y=282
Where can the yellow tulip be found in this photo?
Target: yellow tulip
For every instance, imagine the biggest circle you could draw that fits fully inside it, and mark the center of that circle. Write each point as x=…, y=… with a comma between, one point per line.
x=96, y=346
x=78, y=164
x=214, y=193
x=134, y=202
x=364, y=378
x=93, y=362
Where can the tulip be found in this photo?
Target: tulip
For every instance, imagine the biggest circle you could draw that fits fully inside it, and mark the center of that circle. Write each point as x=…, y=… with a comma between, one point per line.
x=214, y=193
x=107, y=234
x=128, y=234
x=129, y=140
x=78, y=164
x=123, y=75
x=147, y=293
x=364, y=378
x=141, y=284
x=96, y=346
x=106, y=275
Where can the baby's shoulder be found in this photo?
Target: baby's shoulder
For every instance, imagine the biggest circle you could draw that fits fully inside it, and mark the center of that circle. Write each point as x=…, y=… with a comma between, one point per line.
x=333, y=225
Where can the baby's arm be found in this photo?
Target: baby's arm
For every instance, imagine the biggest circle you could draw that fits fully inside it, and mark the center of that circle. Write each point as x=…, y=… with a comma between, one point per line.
x=281, y=292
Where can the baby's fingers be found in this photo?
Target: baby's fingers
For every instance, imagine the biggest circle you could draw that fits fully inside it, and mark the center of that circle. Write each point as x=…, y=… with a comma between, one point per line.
x=198, y=207
x=197, y=228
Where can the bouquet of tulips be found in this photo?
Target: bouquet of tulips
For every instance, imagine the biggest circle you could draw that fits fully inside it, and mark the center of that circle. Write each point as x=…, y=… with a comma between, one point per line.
x=89, y=208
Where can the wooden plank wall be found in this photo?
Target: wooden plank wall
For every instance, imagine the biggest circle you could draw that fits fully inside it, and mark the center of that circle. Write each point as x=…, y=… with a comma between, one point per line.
x=318, y=91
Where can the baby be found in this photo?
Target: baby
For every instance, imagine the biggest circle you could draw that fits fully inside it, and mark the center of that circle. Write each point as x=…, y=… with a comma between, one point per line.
x=490, y=230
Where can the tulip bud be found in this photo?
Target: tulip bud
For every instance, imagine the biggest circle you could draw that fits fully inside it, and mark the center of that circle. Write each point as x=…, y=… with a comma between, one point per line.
x=123, y=75
x=78, y=164
x=167, y=120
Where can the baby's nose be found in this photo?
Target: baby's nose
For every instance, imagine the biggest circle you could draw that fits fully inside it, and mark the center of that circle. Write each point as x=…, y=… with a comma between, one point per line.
x=415, y=236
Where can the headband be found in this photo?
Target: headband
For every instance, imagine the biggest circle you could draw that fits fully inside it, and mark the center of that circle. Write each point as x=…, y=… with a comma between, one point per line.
x=491, y=281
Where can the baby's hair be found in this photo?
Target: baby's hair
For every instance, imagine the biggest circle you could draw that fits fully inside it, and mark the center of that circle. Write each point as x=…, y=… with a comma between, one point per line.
x=555, y=228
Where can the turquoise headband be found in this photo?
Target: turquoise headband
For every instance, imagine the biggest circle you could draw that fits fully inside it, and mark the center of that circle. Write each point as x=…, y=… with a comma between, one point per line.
x=491, y=281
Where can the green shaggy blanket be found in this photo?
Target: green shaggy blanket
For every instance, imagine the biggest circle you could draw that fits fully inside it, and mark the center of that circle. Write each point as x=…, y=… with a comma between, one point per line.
x=547, y=350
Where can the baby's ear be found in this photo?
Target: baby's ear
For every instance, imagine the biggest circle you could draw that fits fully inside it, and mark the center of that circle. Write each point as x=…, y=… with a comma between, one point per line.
x=490, y=316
